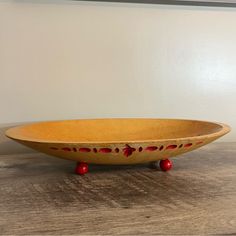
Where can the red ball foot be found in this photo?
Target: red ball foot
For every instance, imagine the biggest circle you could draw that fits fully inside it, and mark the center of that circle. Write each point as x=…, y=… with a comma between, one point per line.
x=165, y=165
x=81, y=168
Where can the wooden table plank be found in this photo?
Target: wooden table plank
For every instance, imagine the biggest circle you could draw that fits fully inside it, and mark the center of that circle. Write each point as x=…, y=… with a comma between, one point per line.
x=41, y=195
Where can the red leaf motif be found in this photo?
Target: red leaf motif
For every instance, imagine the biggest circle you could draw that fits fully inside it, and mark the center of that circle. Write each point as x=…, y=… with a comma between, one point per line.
x=84, y=149
x=105, y=150
x=151, y=148
x=128, y=150
x=188, y=145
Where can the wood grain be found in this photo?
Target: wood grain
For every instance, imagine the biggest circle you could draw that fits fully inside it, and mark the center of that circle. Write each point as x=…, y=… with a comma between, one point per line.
x=41, y=195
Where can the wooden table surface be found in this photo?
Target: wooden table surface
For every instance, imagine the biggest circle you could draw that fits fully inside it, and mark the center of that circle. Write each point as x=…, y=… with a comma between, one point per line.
x=41, y=195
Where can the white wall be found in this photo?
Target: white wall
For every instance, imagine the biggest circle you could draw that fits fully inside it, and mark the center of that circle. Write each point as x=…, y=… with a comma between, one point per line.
x=68, y=59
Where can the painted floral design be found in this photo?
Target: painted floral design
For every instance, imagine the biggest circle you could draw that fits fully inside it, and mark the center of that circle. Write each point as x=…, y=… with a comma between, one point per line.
x=128, y=150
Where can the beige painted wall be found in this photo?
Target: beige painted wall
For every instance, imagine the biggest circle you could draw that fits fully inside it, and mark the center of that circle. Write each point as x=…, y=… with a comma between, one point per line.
x=71, y=59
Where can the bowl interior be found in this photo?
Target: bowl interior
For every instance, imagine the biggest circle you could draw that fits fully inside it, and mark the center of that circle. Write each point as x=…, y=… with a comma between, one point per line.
x=112, y=130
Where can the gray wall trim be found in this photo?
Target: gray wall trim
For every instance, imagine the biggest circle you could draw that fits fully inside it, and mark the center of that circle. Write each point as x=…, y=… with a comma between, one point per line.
x=215, y=3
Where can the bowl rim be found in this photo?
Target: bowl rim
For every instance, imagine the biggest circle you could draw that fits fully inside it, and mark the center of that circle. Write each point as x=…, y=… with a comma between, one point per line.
x=224, y=130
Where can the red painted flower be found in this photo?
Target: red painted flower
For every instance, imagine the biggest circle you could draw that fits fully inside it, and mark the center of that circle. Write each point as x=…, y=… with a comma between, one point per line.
x=128, y=150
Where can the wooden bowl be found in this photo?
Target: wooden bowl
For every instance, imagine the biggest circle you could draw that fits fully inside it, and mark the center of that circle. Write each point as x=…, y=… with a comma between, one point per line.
x=117, y=141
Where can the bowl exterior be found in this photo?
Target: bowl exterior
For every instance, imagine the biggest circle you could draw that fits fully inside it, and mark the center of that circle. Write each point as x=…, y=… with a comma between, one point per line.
x=121, y=153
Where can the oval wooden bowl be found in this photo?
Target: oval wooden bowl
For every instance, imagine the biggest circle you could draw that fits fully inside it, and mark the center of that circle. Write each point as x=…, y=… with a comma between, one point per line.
x=117, y=141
